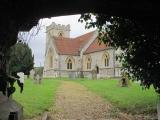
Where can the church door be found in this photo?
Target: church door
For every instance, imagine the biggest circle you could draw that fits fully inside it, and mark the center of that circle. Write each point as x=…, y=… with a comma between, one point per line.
x=97, y=69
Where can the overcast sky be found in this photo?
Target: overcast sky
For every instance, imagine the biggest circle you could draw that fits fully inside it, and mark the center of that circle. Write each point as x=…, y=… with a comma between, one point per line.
x=37, y=43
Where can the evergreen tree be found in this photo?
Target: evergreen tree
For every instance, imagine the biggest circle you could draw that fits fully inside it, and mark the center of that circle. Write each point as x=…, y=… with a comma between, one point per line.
x=21, y=59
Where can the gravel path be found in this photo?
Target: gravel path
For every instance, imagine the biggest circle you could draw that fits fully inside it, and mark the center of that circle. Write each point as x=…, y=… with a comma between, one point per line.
x=75, y=102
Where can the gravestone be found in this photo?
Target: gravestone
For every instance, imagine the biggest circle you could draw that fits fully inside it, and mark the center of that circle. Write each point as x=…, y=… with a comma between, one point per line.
x=38, y=79
x=21, y=76
x=79, y=73
x=94, y=74
x=98, y=76
x=124, y=81
x=32, y=73
x=89, y=76
x=72, y=75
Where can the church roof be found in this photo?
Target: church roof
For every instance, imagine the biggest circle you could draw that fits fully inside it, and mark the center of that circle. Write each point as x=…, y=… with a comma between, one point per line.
x=67, y=46
x=95, y=47
x=72, y=46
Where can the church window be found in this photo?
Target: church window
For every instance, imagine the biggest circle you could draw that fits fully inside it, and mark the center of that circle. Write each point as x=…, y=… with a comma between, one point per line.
x=60, y=34
x=69, y=64
x=106, y=61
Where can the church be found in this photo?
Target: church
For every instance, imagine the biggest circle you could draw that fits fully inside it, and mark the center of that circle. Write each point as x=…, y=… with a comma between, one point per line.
x=83, y=54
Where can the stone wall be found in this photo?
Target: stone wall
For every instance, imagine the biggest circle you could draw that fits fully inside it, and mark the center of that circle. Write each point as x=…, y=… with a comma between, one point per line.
x=50, y=73
x=63, y=63
x=97, y=59
x=60, y=69
x=103, y=73
x=118, y=72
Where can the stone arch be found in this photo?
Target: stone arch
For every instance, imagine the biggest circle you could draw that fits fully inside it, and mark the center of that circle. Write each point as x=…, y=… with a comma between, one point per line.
x=70, y=63
x=60, y=34
x=106, y=59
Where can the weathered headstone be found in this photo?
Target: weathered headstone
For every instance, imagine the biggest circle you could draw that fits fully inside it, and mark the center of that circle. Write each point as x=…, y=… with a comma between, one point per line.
x=89, y=76
x=72, y=75
x=81, y=75
x=38, y=79
x=124, y=81
x=94, y=74
x=98, y=76
x=32, y=74
x=21, y=76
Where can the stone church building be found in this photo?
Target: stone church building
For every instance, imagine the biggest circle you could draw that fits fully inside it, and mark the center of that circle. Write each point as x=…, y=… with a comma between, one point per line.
x=83, y=54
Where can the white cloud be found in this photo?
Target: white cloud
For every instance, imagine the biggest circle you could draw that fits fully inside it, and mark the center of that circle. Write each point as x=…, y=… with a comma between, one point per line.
x=37, y=43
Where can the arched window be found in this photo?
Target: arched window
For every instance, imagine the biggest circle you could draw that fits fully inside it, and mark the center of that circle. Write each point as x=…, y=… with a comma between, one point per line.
x=69, y=64
x=60, y=34
x=106, y=61
x=89, y=63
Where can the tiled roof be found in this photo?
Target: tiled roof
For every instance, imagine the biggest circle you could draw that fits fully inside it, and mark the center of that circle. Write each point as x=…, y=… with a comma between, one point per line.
x=71, y=46
x=95, y=47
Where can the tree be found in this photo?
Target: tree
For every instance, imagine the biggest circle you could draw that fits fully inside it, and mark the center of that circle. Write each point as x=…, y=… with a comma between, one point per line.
x=139, y=41
x=9, y=37
x=20, y=59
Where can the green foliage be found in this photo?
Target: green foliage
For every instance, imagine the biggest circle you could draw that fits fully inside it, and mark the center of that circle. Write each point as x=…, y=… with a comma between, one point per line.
x=21, y=59
x=139, y=41
x=37, y=98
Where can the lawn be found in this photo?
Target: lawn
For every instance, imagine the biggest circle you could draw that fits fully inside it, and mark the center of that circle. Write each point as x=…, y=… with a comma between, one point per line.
x=131, y=99
x=36, y=98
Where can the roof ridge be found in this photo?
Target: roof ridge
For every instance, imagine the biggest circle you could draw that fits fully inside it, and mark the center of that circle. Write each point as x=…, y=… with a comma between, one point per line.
x=95, y=46
x=72, y=45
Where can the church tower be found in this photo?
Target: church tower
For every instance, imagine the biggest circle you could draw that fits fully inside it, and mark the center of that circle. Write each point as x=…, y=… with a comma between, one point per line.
x=56, y=30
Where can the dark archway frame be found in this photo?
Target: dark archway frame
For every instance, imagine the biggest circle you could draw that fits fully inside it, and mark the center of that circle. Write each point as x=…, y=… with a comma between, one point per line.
x=21, y=15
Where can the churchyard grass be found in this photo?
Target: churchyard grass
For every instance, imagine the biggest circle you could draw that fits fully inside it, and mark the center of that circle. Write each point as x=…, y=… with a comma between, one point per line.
x=36, y=98
x=131, y=99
